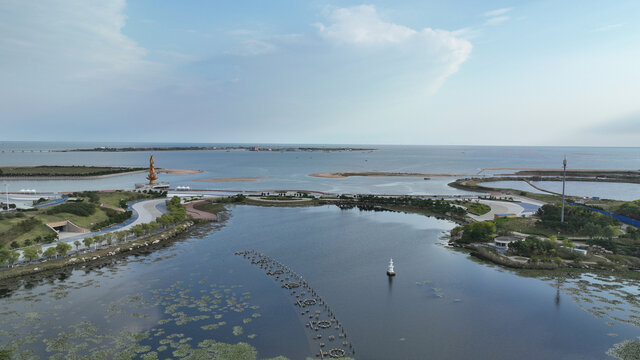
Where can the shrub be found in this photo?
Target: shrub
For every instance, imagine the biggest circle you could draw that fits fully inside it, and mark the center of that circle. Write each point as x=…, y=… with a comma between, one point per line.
x=79, y=208
x=478, y=232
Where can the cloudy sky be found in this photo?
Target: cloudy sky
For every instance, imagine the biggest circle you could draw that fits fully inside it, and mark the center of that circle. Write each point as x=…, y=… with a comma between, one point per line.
x=341, y=72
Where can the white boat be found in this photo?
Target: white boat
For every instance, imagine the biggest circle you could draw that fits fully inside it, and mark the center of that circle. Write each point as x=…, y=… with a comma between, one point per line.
x=390, y=270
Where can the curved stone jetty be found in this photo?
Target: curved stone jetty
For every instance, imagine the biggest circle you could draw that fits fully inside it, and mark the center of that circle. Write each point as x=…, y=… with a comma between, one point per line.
x=320, y=320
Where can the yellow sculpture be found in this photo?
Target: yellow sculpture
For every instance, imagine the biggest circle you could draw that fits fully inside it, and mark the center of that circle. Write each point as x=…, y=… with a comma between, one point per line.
x=152, y=172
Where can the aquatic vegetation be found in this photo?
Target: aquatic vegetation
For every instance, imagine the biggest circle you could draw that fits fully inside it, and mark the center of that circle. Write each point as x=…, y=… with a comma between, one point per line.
x=180, y=304
x=237, y=330
x=626, y=350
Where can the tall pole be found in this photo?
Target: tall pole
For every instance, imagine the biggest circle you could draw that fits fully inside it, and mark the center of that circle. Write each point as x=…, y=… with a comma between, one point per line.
x=564, y=176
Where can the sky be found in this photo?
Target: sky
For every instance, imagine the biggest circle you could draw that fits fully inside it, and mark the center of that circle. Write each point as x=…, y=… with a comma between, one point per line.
x=321, y=72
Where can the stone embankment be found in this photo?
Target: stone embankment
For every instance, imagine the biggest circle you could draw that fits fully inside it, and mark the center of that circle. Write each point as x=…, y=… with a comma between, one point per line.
x=98, y=255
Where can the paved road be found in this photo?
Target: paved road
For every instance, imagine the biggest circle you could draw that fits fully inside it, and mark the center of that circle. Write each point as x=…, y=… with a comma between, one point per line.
x=498, y=207
x=147, y=212
x=526, y=207
x=143, y=212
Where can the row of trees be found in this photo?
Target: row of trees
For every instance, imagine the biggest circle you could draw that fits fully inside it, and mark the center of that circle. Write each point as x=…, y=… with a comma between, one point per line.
x=481, y=231
x=177, y=213
x=10, y=257
x=544, y=250
x=436, y=206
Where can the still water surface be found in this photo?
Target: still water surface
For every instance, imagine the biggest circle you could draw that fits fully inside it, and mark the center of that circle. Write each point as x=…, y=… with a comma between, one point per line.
x=441, y=305
x=290, y=170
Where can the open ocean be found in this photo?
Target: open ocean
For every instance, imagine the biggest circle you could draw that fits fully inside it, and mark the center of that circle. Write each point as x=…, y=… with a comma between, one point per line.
x=290, y=170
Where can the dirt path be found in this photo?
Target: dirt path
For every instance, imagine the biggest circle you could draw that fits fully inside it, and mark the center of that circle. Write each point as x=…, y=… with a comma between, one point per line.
x=199, y=214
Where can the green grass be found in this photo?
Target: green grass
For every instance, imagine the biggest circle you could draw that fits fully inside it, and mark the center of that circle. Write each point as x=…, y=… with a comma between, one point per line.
x=477, y=208
x=213, y=208
x=113, y=198
x=99, y=215
x=523, y=225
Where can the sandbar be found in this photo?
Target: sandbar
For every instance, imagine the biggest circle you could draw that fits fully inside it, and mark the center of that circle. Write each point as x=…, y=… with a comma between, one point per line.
x=249, y=178
x=179, y=171
x=336, y=175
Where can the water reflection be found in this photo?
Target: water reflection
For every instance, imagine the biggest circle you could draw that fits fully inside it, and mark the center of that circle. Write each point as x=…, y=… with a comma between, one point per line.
x=442, y=305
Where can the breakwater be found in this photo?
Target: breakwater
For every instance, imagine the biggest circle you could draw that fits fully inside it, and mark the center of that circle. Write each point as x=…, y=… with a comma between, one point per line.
x=321, y=323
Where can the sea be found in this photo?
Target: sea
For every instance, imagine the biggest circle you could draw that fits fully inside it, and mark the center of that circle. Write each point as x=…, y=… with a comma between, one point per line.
x=200, y=293
x=282, y=170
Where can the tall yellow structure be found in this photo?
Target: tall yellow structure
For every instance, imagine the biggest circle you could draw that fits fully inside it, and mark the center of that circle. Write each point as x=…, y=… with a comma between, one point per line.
x=152, y=172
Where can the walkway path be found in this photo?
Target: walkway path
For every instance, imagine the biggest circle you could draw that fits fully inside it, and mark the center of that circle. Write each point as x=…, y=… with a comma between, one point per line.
x=199, y=214
x=143, y=212
x=498, y=207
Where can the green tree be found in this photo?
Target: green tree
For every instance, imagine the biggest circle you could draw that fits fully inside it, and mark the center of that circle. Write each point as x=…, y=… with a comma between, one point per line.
x=4, y=256
x=77, y=243
x=97, y=241
x=87, y=242
x=608, y=232
x=591, y=229
x=50, y=252
x=478, y=231
x=63, y=248
x=32, y=252
x=15, y=245
x=14, y=256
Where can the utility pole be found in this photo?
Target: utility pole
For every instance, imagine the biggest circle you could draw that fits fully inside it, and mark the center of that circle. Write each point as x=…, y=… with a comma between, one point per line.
x=6, y=191
x=564, y=176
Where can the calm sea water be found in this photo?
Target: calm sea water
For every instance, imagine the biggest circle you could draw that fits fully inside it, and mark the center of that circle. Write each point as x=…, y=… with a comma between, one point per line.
x=441, y=305
x=615, y=191
x=290, y=170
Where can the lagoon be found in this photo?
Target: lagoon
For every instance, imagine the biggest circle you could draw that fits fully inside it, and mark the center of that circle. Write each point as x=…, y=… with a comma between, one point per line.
x=442, y=303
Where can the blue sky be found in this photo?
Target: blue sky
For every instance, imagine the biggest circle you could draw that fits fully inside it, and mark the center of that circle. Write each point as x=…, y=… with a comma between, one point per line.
x=378, y=72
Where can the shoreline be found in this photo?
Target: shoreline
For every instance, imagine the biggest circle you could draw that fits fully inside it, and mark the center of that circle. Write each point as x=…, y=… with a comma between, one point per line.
x=163, y=237
x=179, y=171
x=70, y=177
x=246, y=178
x=346, y=174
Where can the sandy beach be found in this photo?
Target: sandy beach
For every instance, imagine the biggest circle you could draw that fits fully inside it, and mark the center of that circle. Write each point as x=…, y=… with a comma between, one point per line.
x=250, y=178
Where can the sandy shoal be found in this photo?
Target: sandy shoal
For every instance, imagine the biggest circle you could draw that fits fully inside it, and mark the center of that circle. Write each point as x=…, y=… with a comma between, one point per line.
x=249, y=178
x=338, y=175
x=179, y=171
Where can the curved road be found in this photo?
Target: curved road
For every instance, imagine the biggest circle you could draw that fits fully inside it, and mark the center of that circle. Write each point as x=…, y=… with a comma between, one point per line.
x=146, y=212
x=507, y=207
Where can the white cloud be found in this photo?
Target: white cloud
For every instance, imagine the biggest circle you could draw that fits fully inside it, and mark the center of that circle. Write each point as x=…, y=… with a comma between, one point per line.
x=607, y=27
x=497, y=12
x=433, y=51
x=361, y=25
x=496, y=20
x=497, y=16
x=56, y=53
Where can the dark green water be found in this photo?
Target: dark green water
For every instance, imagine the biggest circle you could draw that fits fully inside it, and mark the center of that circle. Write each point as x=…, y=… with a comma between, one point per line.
x=441, y=305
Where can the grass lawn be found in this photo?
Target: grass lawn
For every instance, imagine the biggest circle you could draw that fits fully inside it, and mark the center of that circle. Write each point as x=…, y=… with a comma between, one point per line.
x=111, y=198
x=477, y=208
x=213, y=208
x=523, y=225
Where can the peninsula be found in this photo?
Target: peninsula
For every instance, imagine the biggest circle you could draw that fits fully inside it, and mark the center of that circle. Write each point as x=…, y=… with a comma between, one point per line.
x=59, y=171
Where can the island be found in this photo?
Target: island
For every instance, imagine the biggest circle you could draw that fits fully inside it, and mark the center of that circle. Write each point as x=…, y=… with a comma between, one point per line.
x=219, y=148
